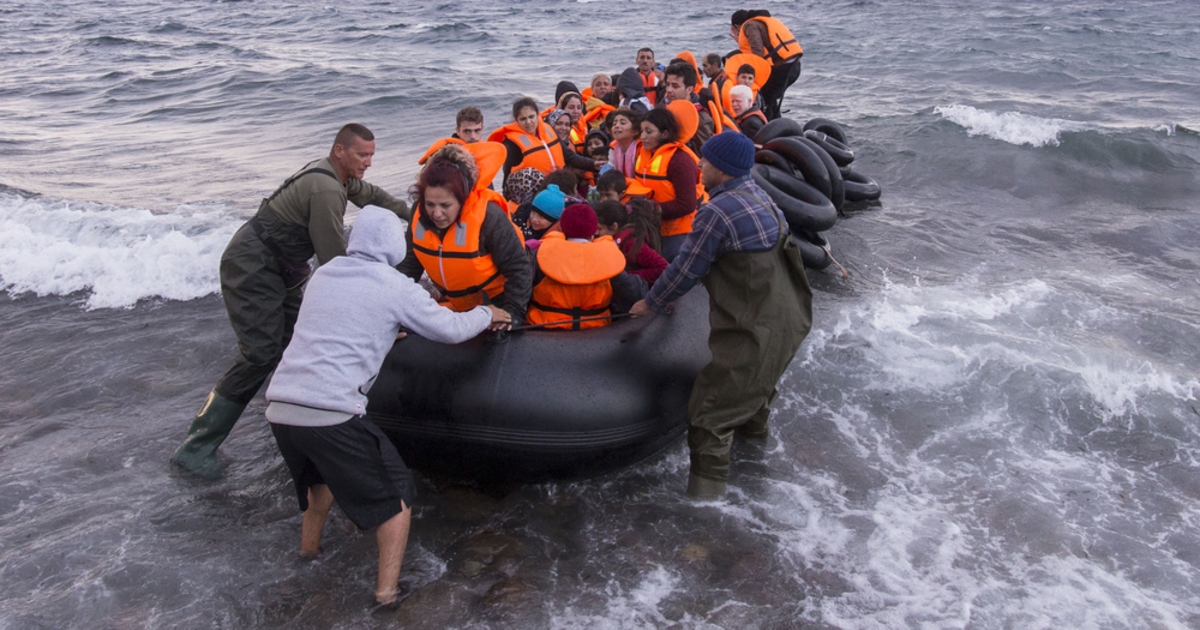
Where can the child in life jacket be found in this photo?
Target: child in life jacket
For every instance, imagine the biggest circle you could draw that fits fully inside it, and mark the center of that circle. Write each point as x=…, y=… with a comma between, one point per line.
x=564, y=180
x=544, y=214
x=610, y=186
x=634, y=227
x=579, y=276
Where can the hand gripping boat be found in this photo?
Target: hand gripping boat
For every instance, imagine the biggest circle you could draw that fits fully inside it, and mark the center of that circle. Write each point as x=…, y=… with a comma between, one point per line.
x=542, y=404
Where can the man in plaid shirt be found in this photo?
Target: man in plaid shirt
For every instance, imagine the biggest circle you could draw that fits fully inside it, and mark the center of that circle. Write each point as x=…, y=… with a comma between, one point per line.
x=760, y=307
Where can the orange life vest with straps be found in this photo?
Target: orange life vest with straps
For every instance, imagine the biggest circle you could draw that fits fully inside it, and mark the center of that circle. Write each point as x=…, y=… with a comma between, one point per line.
x=437, y=145
x=690, y=58
x=757, y=112
x=578, y=134
x=576, y=283
x=542, y=151
x=595, y=116
x=721, y=120
x=453, y=262
x=651, y=172
x=720, y=86
x=650, y=86
x=780, y=46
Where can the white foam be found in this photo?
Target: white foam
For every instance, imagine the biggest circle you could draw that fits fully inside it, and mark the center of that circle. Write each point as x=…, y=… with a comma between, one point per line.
x=118, y=255
x=637, y=608
x=1011, y=127
x=986, y=520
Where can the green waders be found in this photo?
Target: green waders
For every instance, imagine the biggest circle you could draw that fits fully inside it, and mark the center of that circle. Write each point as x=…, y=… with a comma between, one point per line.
x=263, y=313
x=760, y=310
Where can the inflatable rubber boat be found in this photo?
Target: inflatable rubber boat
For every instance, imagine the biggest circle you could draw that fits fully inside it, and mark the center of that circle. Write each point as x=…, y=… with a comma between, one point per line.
x=537, y=405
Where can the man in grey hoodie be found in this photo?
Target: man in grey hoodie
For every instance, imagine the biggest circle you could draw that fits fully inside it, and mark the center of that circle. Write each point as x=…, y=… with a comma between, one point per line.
x=352, y=312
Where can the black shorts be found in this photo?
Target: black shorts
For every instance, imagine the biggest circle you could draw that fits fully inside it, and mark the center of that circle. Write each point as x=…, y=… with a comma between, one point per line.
x=358, y=463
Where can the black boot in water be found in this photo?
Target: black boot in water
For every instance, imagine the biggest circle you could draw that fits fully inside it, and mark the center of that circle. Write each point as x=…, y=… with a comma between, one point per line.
x=198, y=453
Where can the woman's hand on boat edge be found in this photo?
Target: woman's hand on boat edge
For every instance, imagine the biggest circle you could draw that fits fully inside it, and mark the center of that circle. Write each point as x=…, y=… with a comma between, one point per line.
x=501, y=319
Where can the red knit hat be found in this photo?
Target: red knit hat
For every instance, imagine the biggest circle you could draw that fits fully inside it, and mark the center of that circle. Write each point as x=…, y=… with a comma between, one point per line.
x=578, y=221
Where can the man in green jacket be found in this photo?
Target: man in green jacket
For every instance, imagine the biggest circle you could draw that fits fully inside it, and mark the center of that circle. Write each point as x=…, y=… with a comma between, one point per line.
x=760, y=307
x=263, y=271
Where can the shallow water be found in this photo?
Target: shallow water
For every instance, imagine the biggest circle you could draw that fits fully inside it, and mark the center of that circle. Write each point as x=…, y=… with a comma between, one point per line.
x=992, y=425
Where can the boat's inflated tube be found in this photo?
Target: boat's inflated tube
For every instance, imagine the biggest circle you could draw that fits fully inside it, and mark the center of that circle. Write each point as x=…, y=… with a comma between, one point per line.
x=543, y=404
x=778, y=128
x=803, y=206
x=837, y=193
x=763, y=156
x=836, y=150
x=827, y=126
x=859, y=187
x=805, y=161
x=812, y=250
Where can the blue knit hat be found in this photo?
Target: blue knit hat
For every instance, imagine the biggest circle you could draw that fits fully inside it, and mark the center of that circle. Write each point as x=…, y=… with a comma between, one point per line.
x=550, y=202
x=730, y=151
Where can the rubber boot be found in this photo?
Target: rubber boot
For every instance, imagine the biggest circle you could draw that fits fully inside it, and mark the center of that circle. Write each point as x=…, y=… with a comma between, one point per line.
x=704, y=488
x=198, y=453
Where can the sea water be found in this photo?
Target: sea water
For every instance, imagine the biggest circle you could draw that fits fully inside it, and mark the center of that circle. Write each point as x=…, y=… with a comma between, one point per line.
x=993, y=423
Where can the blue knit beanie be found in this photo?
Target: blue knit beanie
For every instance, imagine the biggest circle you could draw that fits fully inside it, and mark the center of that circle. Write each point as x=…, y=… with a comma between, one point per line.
x=550, y=202
x=730, y=151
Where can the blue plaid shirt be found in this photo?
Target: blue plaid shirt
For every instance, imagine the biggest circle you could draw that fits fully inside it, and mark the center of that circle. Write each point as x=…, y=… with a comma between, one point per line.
x=727, y=223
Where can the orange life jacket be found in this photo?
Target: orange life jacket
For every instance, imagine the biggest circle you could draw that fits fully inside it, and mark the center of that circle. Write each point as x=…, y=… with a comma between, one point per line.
x=595, y=116
x=649, y=83
x=720, y=87
x=454, y=263
x=780, y=46
x=437, y=145
x=721, y=120
x=757, y=112
x=543, y=151
x=690, y=58
x=578, y=134
x=762, y=69
x=652, y=174
x=576, y=282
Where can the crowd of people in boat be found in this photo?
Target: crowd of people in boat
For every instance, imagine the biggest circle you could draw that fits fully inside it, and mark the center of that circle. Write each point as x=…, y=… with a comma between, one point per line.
x=599, y=188
x=599, y=194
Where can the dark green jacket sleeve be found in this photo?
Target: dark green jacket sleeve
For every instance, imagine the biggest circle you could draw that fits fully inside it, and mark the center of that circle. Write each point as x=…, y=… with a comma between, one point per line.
x=361, y=194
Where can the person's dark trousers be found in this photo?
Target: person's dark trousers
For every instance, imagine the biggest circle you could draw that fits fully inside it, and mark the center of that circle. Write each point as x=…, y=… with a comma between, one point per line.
x=782, y=77
x=263, y=314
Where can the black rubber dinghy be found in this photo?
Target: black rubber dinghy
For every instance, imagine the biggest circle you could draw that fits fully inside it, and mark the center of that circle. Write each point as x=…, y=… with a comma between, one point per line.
x=543, y=405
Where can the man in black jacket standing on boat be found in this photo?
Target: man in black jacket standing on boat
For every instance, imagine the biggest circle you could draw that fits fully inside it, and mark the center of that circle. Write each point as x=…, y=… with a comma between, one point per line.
x=263, y=271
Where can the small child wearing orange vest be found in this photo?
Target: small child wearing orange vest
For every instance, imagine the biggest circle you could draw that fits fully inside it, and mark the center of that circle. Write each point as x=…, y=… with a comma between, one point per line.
x=579, y=276
x=611, y=186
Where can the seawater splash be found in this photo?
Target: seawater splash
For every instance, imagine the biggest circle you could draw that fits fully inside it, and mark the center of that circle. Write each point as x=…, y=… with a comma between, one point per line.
x=120, y=254
x=1011, y=127
x=1000, y=499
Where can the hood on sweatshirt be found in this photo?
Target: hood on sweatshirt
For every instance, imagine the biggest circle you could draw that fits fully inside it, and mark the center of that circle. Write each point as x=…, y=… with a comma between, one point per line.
x=377, y=235
x=630, y=84
x=562, y=88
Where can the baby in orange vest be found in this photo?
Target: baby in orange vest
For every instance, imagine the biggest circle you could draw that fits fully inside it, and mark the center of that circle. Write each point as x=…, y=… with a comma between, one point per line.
x=577, y=276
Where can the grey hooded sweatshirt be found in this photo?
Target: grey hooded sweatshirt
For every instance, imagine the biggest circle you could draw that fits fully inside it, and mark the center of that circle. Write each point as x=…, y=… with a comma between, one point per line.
x=353, y=307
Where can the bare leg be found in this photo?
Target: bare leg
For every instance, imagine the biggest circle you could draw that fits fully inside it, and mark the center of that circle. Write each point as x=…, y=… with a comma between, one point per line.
x=319, y=500
x=392, y=537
